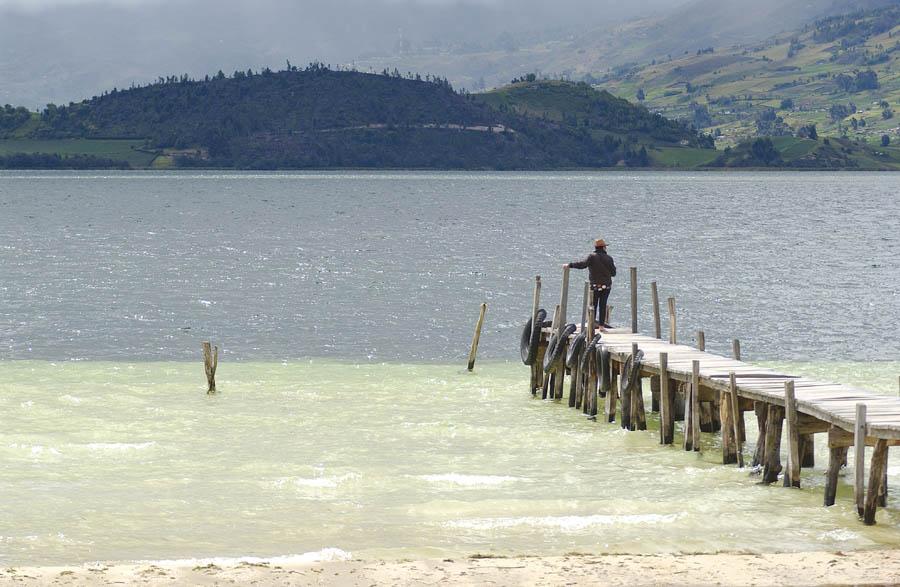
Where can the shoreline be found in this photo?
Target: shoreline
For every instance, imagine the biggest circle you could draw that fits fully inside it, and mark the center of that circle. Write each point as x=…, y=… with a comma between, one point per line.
x=803, y=568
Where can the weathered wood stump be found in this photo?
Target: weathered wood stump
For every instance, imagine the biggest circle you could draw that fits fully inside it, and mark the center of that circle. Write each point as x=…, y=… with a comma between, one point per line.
x=210, y=364
x=772, y=459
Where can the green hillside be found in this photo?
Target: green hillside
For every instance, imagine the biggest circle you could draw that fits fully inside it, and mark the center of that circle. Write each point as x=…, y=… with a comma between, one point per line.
x=839, y=73
x=319, y=118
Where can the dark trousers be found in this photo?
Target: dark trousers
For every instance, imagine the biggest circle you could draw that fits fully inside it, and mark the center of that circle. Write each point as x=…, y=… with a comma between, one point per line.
x=601, y=296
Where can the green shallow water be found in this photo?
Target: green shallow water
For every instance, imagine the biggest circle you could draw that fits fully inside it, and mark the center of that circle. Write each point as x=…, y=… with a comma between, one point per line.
x=133, y=461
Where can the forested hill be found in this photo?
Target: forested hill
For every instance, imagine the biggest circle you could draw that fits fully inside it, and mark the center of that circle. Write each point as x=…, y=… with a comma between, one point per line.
x=318, y=117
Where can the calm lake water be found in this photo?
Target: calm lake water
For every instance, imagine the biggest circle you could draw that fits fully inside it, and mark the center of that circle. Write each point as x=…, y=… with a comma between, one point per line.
x=344, y=305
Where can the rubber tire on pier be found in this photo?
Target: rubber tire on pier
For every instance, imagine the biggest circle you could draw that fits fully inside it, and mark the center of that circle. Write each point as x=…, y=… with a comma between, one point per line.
x=554, y=353
x=631, y=370
x=575, y=350
x=531, y=338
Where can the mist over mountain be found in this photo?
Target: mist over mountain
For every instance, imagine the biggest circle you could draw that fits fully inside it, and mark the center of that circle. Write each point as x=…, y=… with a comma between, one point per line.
x=61, y=51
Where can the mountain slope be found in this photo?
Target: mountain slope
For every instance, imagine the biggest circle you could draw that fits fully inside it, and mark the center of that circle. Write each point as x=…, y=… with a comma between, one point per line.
x=839, y=73
x=318, y=117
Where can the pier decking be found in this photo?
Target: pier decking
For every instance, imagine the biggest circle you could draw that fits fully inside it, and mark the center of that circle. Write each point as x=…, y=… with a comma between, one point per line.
x=711, y=393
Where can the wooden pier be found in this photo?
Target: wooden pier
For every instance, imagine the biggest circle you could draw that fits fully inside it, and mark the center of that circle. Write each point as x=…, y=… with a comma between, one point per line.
x=710, y=393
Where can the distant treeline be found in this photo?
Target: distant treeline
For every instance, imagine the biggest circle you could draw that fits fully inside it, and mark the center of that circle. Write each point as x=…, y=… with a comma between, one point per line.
x=55, y=161
x=320, y=117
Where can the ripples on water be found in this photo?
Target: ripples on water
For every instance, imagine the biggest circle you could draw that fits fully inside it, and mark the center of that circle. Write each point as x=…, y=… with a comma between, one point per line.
x=393, y=266
x=129, y=459
x=119, y=461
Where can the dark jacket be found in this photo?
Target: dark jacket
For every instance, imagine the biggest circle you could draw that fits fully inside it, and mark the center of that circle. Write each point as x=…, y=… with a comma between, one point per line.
x=600, y=266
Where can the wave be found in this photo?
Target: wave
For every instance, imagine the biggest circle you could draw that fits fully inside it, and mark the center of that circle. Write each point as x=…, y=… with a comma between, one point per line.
x=119, y=446
x=565, y=523
x=470, y=480
x=320, y=482
x=317, y=556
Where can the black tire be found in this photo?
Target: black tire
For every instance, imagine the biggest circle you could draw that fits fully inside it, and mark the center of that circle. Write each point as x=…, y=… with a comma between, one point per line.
x=554, y=353
x=531, y=339
x=575, y=350
x=589, y=353
x=631, y=370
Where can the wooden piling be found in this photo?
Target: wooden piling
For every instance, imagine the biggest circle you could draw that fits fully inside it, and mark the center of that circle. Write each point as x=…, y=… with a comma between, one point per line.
x=474, y=349
x=772, y=459
x=666, y=403
x=612, y=395
x=837, y=454
x=737, y=419
x=876, y=476
x=654, y=393
x=634, y=299
x=608, y=317
x=584, y=310
x=210, y=364
x=638, y=413
x=654, y=292
x=792, y=475
x=807, y=451
x=672, y=323
x=729, y=446
x=688, y=416
x=762, y=416
x=695, y=406
x=701, y=340
x=859, y=457
x=736, y=349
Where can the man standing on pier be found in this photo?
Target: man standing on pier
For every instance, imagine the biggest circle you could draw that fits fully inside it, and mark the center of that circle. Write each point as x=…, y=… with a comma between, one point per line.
x=601, y=270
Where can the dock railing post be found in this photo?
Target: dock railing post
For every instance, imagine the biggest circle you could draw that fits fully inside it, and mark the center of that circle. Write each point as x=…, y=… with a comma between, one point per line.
x=859, y=457
x=792, y=475
x=563, y=300
x=701, y=340
x=736, y=417
x=736, y=349
x=634, y=299
x=584, y=311
x=654, y=293
x=474, y=349
x=672, y=325
x=536, y=299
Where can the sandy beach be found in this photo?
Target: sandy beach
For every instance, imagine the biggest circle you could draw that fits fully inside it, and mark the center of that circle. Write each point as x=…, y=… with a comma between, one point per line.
x=811, y=568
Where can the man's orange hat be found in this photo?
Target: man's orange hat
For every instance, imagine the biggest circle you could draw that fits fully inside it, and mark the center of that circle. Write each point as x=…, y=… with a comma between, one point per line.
x=600, y=243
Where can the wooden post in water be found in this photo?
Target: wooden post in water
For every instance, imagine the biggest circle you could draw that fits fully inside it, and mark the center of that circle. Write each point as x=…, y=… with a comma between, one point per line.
x=210, y=363
x=666, y=404
x=638, y=413
x=634, y=299
x=737, y=419
x=701, y=340
x=672, y=324
x=695, y=406
x=474, y=349
x=772, y=459
x=762, y=416
x=792, y=475
x=859, y=457
x=837, y=454
x=736, y=349
x=654, y=292
x=688, y=416
x=584, y=312
x=729, y=442
x=876, y=477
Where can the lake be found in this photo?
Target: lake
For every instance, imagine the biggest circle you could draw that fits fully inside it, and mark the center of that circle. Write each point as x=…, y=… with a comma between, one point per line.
x=344, y=304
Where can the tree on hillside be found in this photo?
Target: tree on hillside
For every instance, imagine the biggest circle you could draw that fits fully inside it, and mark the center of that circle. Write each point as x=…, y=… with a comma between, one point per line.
x=640, y=95
x=885, y=140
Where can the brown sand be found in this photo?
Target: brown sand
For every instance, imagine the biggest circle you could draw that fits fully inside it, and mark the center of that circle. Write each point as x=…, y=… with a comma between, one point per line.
x=812, y=568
